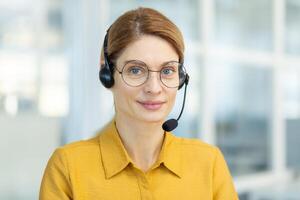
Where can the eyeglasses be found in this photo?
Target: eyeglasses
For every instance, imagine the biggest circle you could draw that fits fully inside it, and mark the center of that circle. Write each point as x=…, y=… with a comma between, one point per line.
x=135, y=73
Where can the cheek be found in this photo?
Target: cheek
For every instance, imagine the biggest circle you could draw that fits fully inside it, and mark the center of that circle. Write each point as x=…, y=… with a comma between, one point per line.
x=123, y=95
x=172, y=97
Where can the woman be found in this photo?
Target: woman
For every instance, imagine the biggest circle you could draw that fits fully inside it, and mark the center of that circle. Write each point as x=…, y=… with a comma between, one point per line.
x=133, y=157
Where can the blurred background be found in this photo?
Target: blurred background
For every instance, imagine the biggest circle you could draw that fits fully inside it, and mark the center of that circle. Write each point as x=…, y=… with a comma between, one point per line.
x=244, y=95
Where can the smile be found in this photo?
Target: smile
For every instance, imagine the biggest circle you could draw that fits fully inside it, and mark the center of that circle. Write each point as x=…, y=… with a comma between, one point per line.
x=151, y=105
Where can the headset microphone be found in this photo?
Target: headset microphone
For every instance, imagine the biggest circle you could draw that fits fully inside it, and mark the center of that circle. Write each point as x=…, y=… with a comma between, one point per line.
x=171, y=124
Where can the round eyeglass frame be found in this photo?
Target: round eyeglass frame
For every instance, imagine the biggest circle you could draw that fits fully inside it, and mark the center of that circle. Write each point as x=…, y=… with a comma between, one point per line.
x=181, y=71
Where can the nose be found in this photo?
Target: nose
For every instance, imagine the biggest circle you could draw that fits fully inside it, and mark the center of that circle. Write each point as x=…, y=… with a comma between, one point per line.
x=153, y=83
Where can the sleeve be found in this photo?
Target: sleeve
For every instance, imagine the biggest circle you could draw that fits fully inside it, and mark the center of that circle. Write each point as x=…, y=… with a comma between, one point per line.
x=223, y=187
x=56, y=180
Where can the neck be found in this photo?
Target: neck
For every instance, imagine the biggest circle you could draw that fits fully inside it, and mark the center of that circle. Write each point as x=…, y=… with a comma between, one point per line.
x=142, y=140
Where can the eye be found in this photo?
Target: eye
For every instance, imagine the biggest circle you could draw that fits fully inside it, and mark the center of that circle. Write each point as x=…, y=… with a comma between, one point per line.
x=135, y=70
x=168, y=71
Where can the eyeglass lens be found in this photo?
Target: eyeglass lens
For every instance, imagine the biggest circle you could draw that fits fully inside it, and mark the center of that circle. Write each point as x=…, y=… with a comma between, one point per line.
x=136, y=73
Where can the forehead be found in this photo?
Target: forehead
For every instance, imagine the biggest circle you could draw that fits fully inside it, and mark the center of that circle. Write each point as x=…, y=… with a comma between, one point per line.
x=152, y=50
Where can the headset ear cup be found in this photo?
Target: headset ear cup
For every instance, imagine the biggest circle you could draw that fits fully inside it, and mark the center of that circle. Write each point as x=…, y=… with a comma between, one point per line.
x=186, y=81
x=182, y=77
x=106, y=76
x=181, y=85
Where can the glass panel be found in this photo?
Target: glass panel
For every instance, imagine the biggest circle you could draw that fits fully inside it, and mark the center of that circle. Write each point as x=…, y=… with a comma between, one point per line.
x=243, y=116
x=185, y=14
x=29, y=37
x=17, y=25
x=53, y=98
x=291, y=80
x=246, y=24
x=292, y=26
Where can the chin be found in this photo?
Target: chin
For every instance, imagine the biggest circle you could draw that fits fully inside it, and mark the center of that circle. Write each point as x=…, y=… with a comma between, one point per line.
x=152, y=118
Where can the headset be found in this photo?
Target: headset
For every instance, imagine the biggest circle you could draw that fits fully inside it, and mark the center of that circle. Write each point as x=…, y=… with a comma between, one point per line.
x=107, y=79
x=106, y=72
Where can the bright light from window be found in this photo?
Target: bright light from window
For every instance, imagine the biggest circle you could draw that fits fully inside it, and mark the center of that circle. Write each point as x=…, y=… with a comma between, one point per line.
x=53, y=100
x=11, y=104
x=33, y=67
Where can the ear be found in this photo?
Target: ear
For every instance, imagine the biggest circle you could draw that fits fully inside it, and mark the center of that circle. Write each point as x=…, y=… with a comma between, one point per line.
x=101, y=67
x=101, y=64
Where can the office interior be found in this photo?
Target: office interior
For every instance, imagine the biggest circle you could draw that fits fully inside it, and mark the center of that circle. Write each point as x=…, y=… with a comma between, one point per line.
x=244, y=92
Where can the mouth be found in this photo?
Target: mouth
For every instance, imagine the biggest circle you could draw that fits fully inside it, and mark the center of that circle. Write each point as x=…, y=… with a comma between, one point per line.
x=151, y=105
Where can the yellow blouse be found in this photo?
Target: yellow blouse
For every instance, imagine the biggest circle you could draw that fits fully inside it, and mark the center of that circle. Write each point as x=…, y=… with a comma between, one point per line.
x=100, y=168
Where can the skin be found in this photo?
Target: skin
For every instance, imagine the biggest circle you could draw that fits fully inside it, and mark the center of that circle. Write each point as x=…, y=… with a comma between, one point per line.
x=140, y=127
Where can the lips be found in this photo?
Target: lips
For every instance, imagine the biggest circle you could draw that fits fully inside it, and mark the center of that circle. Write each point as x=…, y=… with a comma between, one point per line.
x=151, y=105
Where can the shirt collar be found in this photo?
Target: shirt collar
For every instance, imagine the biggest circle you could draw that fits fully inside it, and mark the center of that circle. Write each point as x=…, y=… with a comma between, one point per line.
x=115, y=157
x=171, y=154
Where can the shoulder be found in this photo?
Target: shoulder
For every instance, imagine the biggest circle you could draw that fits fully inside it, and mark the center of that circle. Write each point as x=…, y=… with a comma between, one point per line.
x=194, y=144
x=195, y=149
x=197, y=155
x=81, y=145
x=79, y=150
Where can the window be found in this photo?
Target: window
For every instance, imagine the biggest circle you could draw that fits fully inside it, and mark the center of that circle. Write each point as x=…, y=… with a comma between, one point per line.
x=33, y=66
x=292, y=27
x=291, y=81
x=236, y=25
x=243, y=116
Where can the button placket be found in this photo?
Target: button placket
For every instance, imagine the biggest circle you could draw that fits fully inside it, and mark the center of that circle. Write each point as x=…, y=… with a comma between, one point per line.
x=144, y=182
x=144, y=185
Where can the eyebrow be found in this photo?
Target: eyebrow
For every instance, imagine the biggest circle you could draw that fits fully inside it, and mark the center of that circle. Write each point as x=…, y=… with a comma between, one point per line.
x=139, y=61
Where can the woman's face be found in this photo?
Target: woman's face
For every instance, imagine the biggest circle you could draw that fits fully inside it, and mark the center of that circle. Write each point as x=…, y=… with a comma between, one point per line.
x=152, y=101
